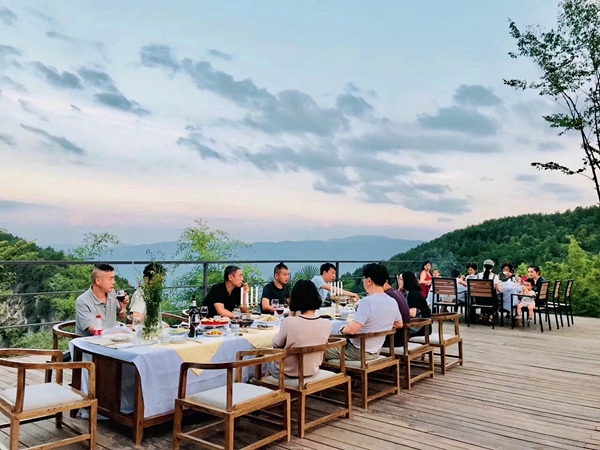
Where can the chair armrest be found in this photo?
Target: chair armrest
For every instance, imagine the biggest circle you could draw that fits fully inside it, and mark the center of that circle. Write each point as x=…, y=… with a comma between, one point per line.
x=436, y=317
x=7, y=352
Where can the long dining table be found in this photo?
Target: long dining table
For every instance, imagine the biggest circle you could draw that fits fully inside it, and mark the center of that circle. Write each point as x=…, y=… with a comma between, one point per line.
x=136, y=385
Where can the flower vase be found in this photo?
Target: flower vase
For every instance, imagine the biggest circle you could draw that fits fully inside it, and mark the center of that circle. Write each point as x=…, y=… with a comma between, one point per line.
x=152, y=326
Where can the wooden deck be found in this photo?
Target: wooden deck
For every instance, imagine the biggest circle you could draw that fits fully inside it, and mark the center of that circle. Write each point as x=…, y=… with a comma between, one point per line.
x=519, y=389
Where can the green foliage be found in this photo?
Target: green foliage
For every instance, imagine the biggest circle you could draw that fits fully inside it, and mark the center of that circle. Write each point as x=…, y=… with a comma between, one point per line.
x=39, y=340
x=569, y=60
x=13, y=250
x=200, y=243
x=584, y=270
x=153, y=289
x=306, y=273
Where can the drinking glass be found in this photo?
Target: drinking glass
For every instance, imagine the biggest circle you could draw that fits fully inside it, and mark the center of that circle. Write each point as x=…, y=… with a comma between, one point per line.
x=204, y=312
x=137, y=326
x=120, y=295
x=237, y=314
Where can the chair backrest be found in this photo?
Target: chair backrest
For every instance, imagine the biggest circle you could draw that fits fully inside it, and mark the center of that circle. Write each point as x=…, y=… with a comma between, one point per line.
x=415, y=323
x=444, y=286
x=301, y=351
x=543, y=293
x=556, y=290
x=568, y=290
x=58, y=331
x=481, y=288
x=364, y=336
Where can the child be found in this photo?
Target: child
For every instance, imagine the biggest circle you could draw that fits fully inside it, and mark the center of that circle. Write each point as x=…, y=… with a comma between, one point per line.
x=528, y=300
x=436, y=273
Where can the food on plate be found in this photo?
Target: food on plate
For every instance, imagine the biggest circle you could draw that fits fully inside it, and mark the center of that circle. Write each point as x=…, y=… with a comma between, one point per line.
x=262, y=326
x=214, y=333
x=267, y=318
x=212, y=322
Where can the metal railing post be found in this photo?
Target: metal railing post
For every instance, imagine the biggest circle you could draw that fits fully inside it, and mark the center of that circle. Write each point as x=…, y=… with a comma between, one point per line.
x=337, y=269
x=205, y=280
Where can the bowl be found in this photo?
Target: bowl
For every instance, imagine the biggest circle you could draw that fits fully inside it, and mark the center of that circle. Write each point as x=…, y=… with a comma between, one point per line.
x=244, y=323
x=178, y=338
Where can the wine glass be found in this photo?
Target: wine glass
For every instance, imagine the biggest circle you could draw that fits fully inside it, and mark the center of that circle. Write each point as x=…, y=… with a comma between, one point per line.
x=275, y=305
x=237, y=314
x=204, y=312
x=343, y=301
x=280, y=309
x=137, y=326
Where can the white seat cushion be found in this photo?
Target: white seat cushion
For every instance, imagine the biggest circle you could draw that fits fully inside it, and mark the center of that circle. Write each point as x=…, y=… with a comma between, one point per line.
x=40, y=396
x=434, y=338
x=242, y=392
x=400, y=350
x=336, y=362
x=293, y=382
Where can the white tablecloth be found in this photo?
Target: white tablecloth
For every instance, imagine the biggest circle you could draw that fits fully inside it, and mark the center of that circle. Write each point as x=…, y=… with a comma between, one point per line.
x=509, y=288
x=159, y=372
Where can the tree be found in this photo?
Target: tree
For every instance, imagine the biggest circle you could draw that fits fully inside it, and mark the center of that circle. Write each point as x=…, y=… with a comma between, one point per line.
x=200, y=243
x=13, y=251
x=569, y=58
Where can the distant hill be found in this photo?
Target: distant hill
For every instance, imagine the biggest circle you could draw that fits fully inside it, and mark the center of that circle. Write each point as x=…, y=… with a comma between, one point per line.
x=531, y=239
x=372, y=248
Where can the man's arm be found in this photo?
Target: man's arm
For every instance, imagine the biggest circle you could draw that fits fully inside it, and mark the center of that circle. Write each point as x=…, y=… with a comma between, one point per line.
x=352, y=328
x=266, y=305
x=222, y=311
x=398, y=323
x=84, y=317
x=122, y=311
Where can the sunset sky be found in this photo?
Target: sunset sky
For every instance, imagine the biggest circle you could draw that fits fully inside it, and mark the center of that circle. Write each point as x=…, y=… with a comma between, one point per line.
x=271, y=120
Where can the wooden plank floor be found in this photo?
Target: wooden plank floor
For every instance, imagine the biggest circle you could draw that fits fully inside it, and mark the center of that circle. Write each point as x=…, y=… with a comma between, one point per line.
x=519, y=389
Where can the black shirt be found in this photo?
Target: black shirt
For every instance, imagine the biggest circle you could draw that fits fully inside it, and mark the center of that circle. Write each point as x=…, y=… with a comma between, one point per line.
x=538, y=284
x=271, y=292
x=218, y=294
x=416, y=300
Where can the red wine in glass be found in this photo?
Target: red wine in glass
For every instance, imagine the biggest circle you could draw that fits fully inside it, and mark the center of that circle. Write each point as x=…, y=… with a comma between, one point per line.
x=204, y=312
x=343, y=303
x=279, y=310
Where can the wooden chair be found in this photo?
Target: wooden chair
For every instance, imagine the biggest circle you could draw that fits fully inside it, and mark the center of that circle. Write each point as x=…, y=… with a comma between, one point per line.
x=443, y=340
x=301, y=387
x=554, y=305
x=58, y=332
x=447, y=287
x=542, y=299
x=412, y=351
x=482, y=294
x=232, y=401
x=29, y=403
x=364, y=368
x=563, y=303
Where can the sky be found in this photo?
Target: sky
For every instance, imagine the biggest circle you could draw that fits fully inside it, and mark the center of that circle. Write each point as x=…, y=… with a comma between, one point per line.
x=272, y=121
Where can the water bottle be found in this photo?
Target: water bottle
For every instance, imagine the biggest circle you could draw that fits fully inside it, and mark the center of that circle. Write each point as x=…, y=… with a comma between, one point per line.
x=193, y=318
x=98, y=326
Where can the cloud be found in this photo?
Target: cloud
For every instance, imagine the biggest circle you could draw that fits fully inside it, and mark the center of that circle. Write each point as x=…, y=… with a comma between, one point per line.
x=75, y=108
x=44, y=17
x=65, y=145
x=98, y=78
x=475, y=95
x=352, y=105
x=459, y=119
x=7, y=16
x=426, y=168
x=444, y=219
x=158, y=56
x=7, y=206
x=352, y=88
x=7, y=50
x=327, y=188
x=550, y=146
x=561, y=191
x=390, y=140
x=220, y=55
x=7, y=139
x=30, y=109
x=527, y=178
x=59, y=36
x=446, y=205
x=118, y=101
x=195, y=140
x=65, y=80
x=288, y=111
x=7, y=81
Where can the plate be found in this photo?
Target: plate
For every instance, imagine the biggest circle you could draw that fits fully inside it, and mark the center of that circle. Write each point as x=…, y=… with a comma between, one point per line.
x=263, y=326
x=121, y=337
x=214, y=335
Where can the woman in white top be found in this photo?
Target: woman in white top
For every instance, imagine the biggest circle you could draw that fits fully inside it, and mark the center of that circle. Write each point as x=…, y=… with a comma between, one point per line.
x=488, y=274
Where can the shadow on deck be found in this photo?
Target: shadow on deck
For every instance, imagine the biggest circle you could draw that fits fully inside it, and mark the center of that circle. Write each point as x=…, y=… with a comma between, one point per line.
x=519, y=389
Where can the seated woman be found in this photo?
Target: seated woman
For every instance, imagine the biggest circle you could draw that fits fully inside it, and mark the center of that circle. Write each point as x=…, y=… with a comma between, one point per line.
x=417, y=305
x=303, y=329
x=488, y=274
x=508, y=273
x=461, y=285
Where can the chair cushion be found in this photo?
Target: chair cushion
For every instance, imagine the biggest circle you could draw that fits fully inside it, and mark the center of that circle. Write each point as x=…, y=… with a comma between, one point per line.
x=336, y=362
x=434, y=338
x=242, y=392
x=294, y=382
x=40, y=396
x=400, y=350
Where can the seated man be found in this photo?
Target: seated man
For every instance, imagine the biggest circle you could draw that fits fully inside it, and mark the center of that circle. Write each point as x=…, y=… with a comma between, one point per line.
x=276, y=289
x=138, y=303
x=224, y=297
x=376, y=312
x=100, y=299
x=322, y=281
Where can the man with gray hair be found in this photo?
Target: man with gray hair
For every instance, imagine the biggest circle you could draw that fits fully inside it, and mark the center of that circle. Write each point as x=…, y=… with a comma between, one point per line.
x=99, y=300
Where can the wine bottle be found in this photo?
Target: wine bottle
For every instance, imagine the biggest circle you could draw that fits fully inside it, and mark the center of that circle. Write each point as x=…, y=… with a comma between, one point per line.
x=193, y=317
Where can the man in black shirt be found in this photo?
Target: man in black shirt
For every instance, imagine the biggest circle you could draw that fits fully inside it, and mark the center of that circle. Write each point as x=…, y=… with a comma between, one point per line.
x=224, y=297
x=276, y=289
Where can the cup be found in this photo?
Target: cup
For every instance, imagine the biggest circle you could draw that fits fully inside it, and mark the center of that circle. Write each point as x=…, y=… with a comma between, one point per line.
x=216, y=318
x=120, y=295
x=235, y=327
